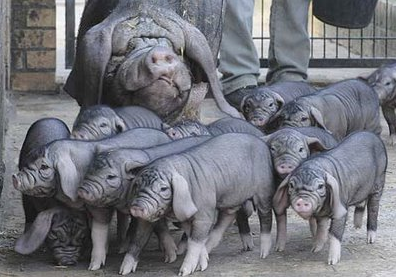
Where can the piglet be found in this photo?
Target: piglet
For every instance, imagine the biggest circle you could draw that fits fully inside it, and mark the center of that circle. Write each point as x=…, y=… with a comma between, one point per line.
x=325, y=185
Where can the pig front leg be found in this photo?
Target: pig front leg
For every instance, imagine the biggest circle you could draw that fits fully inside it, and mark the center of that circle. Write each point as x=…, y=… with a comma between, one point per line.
x=358, y=214
x=372, y=215
x=244, y=230
x=281, y=222
x=264, y=211
x=390, y=117
x=99, y=235
x=139, y=234
x=122, y=229
x=321, y=233
x=337, y=227
x=197, y=255
x=224, y=219
x=167, y=244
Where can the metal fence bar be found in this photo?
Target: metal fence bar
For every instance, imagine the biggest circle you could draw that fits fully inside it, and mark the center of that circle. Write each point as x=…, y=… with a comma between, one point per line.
x=70, y=33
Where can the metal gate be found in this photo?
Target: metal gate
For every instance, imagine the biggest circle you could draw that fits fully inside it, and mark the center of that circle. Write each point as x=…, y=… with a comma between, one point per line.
x=330, y=46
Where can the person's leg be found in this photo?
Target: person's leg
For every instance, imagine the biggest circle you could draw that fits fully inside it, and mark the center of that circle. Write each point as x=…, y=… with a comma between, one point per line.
x=289, y=50
x=239, y=62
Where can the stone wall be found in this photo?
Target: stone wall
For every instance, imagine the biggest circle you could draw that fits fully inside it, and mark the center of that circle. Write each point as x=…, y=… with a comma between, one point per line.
x=33, y=45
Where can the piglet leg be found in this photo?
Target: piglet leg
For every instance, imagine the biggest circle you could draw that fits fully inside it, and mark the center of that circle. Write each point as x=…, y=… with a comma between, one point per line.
x=321, y=233
x=244, y=230
x=337, y=228
x=224, y=220
x=99, y=235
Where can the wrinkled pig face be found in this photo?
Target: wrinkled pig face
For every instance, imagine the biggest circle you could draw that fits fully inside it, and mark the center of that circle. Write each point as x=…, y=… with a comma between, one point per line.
x=287, y=152
x=96, y=123
x=67, y=237
x=153, y=195
x=383, y=81
x=38, y=178
x=104, y=182
x=307, y=190
x=295, y=115
x=185, y=129
x=259, y=107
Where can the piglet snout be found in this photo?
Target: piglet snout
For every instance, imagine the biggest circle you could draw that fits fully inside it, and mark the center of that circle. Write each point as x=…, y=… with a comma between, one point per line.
x=303, y=208
x=258, y=121
x=285, y=168
x=137, y=211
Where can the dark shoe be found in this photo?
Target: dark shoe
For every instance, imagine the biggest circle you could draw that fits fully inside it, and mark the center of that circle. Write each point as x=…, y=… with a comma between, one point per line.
x=235, y=97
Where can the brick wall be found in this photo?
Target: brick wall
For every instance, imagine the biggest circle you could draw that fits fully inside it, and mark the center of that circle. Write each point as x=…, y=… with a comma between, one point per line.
x=33, y=44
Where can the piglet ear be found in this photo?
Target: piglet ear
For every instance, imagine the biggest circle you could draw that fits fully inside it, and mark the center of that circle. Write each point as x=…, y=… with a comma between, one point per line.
x=165, y=126
x=183, y=204
x=280, y=201
x=35, y=236
x=279, y=99
x=337, y=207
x=317, y=115
x=315, y=145
x=119, y=125
x=68, y=175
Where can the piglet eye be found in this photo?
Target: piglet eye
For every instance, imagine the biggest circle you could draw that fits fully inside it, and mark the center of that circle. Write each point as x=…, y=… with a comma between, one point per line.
x=44, y=167
x=164, y=189
x=387, y=83
x=304, y=118
x=301, y=150
x=271, y=105
x=102, y=125
x=321, y=186
x=111, y=177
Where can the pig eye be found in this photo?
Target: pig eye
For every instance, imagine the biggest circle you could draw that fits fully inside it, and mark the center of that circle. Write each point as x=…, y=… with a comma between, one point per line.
x=271, y=105
x=301, y=150
x=304, y=118
x=102, y=125
x=164, y=189
x=44, y=167
x=111, y=177
x=321, y=186
x=272, y=149
x=387, y=83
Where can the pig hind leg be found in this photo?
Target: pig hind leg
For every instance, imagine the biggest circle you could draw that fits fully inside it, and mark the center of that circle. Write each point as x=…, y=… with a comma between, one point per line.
x=390, y=117
x=372, y=215
x=244, y=230
x=358, y=215
x=224, y=220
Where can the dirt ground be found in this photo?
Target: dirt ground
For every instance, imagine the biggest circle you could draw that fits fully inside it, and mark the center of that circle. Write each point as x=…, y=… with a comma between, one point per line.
x=358, y=258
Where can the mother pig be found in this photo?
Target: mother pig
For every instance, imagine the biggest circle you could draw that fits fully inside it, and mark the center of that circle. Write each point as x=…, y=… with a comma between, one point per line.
x=141, y=53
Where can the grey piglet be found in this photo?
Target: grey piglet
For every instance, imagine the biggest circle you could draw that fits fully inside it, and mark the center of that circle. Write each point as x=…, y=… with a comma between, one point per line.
x=383, y=81
x=221, y=126
x=341, y=108
x=325, y=185
x=101, y=121
x=193, y=185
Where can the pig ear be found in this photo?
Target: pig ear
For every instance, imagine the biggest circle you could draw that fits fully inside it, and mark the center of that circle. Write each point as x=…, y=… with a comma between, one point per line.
x=280, y=201
x=68, y=175
x=317, y=115
x=119, y=125
x=335, y=200
x=265, y=138
x=35, y=236
x=140, y=159
x=315, y=145
x=242, y=104
x=183, y=204
x=279, y=99
x=165, y=126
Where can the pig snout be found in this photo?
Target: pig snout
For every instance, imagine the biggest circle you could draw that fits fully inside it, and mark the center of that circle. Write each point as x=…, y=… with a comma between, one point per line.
x=137, y=211
x=85, y=194
x=303, y=208
x=284, y=169
x=258, y=121
x=16, y=181
x=162, y=62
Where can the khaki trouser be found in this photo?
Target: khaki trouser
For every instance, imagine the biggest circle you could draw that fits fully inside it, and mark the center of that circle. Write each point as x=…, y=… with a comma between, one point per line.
x=289, y=44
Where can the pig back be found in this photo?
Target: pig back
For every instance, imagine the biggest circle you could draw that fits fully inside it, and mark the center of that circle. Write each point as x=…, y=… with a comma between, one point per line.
x=233, y=125
x=136, y=116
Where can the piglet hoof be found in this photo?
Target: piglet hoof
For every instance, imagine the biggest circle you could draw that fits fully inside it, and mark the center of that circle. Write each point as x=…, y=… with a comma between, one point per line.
x=334, y=251
x=371, y=236
x=265, y=245
x=203, y=260
x=280, y=246
x=97, y=262
x=391, y=140
x=247, y=242
x=128, y=265
x=318, y=246
x=169, y=247
x=186, y=270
